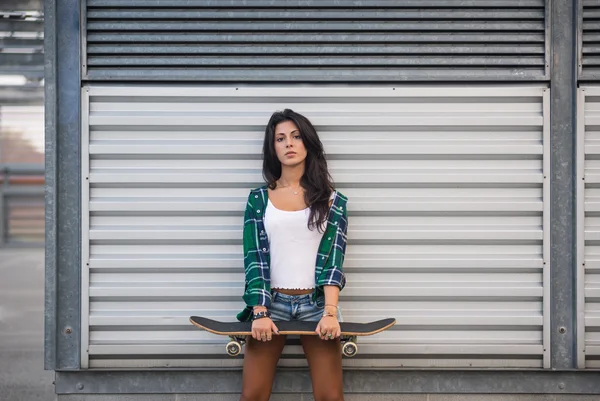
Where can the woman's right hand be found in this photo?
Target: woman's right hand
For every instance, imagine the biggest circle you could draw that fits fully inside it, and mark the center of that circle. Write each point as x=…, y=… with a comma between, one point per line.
x=262, y=329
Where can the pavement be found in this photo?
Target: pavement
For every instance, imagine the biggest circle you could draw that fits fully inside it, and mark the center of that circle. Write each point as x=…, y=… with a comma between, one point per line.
x=22, y=374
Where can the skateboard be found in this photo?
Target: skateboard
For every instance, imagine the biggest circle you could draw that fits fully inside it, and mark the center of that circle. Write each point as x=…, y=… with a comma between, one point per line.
x=238, y=331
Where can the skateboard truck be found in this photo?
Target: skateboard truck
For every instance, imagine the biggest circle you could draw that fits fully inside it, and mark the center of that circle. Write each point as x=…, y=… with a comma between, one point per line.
x=234, y=346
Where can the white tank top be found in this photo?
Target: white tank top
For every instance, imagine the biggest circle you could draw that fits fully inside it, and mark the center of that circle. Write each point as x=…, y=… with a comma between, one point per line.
x=293, y=248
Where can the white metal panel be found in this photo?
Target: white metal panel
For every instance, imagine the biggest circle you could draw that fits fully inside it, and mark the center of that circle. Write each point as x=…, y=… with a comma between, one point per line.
x=588, y=227
x=448, y=224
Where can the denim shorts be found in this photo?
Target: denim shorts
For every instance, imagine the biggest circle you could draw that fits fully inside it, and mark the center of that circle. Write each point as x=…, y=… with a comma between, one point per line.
x=297, y=307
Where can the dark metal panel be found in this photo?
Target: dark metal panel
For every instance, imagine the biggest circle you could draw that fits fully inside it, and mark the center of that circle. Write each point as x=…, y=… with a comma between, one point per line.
x=562, y=114
x=588, y=14
x=382, y=41
x=355, y=381
x=63, y=189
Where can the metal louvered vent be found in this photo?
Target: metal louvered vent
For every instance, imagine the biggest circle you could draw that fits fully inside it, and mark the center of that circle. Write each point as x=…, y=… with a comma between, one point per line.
x=316, y=41
x=589, y=68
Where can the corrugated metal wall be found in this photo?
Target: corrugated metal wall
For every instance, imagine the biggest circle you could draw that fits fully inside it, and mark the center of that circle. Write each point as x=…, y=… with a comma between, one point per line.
x=448, y=224
x=316, y=40
x=588, y=222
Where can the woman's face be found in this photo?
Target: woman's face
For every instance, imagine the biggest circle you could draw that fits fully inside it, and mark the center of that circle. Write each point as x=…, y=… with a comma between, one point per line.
x=289, y=146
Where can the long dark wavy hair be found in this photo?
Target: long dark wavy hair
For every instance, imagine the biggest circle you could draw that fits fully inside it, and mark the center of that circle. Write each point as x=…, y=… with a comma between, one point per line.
x=316, y=181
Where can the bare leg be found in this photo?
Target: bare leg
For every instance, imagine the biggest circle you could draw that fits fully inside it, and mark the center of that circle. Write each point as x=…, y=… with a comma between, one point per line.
x=325, y=362
x=260, y=362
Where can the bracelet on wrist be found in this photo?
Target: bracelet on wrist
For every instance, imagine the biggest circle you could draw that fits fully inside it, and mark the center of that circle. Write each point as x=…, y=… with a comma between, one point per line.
x=261, y=315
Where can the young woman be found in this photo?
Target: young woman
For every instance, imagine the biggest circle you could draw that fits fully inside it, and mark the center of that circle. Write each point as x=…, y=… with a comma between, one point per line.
x=294, y=243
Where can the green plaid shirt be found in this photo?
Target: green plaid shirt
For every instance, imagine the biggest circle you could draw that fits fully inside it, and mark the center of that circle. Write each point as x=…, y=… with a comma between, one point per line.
x=329, y=261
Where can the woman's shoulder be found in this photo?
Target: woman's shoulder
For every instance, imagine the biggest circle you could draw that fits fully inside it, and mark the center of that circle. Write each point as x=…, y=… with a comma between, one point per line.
x=340, y=197
x=258, y=194
x=338, y=200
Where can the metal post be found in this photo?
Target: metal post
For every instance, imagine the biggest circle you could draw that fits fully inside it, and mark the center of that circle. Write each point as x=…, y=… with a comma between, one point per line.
x=62, y=184
x=562, y=139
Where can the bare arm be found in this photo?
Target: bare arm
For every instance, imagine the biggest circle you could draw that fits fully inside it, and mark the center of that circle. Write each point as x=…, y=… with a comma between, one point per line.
x=329, y=326
x=332, y=294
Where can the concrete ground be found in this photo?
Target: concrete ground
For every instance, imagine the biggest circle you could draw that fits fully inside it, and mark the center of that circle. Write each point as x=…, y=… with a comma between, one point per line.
x=22, y=374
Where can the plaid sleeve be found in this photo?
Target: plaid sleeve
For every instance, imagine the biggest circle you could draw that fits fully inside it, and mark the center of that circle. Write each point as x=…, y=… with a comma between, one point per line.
x=333, y=273
x=256, y=291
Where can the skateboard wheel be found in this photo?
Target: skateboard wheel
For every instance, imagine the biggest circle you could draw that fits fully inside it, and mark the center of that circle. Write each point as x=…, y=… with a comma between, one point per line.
x=233, y=348
x=350, y=349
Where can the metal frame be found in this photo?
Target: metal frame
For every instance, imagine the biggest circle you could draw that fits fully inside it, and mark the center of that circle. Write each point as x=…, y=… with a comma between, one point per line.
x=562, y=117
x=85, y=227
x=548, y=33
x=546, y=229
x=83, y=35
x=580, y=236
x=355, y=381
x=579, y=37
x=63, y=198
x=50, y=285
x=65, y=342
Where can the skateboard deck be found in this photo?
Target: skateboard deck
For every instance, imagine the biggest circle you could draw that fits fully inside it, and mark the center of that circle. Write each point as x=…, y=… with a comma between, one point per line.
x=238, y=331
x=290, y=327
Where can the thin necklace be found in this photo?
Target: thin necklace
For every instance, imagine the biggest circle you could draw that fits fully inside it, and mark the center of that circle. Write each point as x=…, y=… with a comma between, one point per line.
x=294, y=192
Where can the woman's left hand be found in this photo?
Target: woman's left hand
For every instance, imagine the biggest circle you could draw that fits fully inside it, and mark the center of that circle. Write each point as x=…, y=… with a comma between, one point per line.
x=328, y=328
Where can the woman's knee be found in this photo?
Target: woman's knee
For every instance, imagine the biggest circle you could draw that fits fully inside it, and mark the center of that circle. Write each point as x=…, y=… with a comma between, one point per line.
x=255, y=394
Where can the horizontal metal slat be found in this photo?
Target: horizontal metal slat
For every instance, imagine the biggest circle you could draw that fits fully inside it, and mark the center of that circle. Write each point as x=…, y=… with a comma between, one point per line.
x=292, y=15
x=441, y=49
x=318, y=3
x=431, y=361
x=325, y=38
x=274, y=75
x=307, y=26
x=311, y=61
x=412, y=349
x=368, y=94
